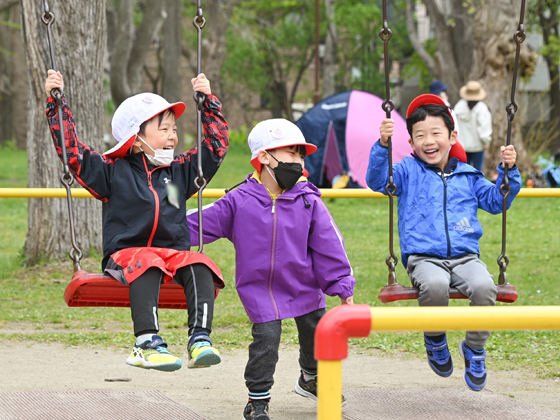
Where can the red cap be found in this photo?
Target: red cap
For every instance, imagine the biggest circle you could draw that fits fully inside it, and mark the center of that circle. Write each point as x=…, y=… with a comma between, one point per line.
x=457, y=150
x=426, y=99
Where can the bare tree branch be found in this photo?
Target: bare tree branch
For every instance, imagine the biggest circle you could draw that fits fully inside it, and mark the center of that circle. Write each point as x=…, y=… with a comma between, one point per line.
x=418, y=47
x=154, y=15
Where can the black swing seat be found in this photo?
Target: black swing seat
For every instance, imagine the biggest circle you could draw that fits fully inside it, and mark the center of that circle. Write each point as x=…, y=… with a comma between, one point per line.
x=394, y=292
x=96, y=289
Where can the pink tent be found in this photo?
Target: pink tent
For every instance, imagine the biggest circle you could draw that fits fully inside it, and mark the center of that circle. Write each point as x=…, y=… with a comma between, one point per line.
x=344, y=127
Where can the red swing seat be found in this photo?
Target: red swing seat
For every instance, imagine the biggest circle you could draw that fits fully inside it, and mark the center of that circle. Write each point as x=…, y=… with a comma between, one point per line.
x=394, y=292
x=96, y=289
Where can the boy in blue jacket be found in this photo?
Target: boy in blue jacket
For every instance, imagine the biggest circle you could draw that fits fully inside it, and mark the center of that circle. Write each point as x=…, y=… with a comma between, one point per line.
x=439, y=231
x=289, y=255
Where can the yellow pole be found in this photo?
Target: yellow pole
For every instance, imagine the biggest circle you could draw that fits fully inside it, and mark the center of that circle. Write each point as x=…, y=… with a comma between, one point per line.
x=460, y=318
x=329, y=391
x=465, y=318
x=219, y=192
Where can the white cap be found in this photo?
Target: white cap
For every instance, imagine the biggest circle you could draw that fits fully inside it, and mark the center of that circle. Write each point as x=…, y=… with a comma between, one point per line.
x=131, y=114
x=273, y=134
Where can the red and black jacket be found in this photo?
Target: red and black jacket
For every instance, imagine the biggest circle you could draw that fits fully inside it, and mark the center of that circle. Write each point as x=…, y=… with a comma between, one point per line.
x=136, y=209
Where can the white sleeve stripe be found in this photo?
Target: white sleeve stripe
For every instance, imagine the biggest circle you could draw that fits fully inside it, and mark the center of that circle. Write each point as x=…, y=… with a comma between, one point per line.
x=195, y=210
x=342, y=245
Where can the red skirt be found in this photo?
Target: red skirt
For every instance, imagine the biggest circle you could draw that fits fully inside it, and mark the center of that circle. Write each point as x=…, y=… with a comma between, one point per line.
x=128, y=264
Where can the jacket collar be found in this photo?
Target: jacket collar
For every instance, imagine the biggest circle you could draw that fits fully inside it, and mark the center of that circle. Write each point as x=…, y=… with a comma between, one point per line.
x=253, y=187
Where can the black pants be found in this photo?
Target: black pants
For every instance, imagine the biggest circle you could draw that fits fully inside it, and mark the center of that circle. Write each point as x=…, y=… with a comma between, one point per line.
x=198, y=282
x=263, y=351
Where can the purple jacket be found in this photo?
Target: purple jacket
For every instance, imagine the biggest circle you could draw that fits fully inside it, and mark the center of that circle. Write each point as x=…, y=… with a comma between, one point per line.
x=289, y=251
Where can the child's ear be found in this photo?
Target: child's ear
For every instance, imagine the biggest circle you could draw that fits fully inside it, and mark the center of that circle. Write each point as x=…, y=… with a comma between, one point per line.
x=137, y=142
x=453, y=138
x=263, y=157
x=411, y=143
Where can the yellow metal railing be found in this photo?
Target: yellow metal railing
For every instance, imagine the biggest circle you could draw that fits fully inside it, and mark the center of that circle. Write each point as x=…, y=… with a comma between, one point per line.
x=218, y=192
x=343, y=322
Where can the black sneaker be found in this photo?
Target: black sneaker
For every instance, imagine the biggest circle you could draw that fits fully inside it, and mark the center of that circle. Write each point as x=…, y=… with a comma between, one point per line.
x=256, y=410
x=308, y=389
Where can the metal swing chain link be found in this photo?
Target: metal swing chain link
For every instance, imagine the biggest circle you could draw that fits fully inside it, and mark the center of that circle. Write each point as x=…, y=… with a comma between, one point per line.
x=511, y=109
x=67, y=178
x=385, y=34
x=199, y=22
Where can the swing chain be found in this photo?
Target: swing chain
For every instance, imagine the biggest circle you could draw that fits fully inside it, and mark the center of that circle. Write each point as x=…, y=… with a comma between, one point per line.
x=199, y=98
x=511, y=109
x=385, y=34
x=67, y=178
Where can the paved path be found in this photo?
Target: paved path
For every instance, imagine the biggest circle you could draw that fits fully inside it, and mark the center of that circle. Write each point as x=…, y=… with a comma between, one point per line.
x=219, y=393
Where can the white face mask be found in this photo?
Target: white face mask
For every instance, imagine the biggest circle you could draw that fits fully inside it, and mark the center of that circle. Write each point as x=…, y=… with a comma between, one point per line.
x=161, y=157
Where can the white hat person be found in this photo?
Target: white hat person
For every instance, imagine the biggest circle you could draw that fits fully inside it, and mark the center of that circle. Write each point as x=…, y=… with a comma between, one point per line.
x=130, y=115
x=472, y=91
x=273, y=134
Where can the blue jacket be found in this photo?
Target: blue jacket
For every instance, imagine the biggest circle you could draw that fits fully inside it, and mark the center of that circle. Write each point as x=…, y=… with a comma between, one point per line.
x=289, y=252
x=437, y=213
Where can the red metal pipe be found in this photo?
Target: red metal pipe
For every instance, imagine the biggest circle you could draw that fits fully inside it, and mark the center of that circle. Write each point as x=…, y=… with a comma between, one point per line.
x=334, y=329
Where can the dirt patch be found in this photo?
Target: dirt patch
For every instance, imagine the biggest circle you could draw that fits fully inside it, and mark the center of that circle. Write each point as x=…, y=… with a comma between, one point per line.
x=219, y=392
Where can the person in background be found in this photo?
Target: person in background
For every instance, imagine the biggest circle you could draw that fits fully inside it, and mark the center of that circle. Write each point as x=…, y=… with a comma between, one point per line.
x=475, y=123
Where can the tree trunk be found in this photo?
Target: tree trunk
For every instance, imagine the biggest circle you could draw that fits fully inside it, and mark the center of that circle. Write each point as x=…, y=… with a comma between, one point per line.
x=217, y=14
x=453, y=32
x=79, y=42
x=494, y=52
x=128, y=47
x=20, y=83
x=329, y=60
x=549, y=18
x=172, y=37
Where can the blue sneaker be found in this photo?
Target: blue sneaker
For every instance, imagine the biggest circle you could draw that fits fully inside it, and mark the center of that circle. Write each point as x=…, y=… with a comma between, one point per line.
x=439, y=358
x=475, y=366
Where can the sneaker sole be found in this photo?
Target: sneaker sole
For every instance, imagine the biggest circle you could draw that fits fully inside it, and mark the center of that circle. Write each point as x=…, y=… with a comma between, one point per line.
x=166, y=367
x=205, y=359
x=464, y=374
x=300, y=391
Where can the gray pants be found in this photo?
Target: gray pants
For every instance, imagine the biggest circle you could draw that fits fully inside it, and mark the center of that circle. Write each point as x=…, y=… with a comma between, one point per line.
x=263, y=351
x=470, y=276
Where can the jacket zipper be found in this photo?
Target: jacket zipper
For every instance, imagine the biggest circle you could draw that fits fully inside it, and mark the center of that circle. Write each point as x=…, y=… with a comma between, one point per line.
x=273, y=258
x=445, y=216
x=156, y=197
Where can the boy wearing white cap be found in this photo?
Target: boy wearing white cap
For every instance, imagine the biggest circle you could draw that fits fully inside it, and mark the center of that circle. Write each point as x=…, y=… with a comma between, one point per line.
x=289, y=254
x=144, y=189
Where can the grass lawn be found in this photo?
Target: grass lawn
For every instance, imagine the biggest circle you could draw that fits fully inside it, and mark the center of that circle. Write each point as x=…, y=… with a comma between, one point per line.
x=33, y=309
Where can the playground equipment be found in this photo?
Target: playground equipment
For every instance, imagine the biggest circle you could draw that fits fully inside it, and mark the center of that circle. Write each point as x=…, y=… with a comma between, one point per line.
x=343, y=322
x=90, y=289
x=393, y=290
x=217, y=193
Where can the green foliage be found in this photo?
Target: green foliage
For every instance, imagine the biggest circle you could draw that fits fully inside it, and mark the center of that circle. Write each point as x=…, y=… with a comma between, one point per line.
x=275, y=39
x=33, y=309
x=552, y=50
x=267, y=41
x=416, y=67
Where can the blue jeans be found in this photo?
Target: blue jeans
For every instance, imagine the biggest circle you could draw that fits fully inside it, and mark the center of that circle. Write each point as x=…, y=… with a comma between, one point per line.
x=476, y=159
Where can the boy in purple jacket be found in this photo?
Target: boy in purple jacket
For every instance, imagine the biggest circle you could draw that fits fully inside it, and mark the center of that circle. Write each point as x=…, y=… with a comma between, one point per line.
x=289, y=254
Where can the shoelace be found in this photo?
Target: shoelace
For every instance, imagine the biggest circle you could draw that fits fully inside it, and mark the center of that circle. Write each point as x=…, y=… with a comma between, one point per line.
x=201, y=343
x=477, y=366
x=439, y=351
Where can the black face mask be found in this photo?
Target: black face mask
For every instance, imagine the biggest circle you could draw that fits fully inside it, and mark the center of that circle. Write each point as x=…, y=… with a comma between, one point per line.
x=287, y=174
